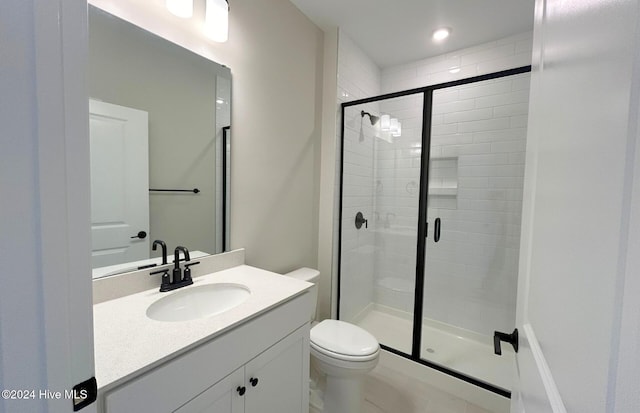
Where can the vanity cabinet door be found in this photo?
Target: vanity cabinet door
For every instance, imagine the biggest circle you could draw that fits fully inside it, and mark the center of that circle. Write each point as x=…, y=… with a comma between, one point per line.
x=222, y=397
x=277, y=380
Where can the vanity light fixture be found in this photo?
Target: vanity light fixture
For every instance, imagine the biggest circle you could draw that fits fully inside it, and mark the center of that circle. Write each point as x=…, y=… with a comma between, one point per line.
x=441, y=34
x=180, y=8
x=398, y=131
x=216, y=20
x=385, y=122
x=395, y=127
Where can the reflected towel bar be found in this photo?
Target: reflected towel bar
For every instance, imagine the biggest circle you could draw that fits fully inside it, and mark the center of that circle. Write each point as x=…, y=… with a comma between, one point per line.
x=194, y=190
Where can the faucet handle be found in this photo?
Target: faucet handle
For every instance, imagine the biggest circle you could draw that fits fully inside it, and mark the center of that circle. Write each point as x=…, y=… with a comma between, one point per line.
x=186, y=275
x=165, y=271
x=165, y=279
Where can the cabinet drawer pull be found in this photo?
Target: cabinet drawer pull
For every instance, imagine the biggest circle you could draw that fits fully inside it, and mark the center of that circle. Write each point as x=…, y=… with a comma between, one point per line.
x=241, y=390
x=253, y=381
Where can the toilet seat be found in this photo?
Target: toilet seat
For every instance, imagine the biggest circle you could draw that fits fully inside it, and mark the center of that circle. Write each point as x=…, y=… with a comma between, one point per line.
x=328, y=356
x=344, y=341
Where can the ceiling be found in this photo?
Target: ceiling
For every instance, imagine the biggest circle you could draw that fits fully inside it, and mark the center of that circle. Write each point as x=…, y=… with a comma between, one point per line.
x=399, y=31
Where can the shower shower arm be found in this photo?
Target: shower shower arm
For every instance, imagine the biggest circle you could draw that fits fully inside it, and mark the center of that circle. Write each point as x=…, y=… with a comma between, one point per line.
x=372, y=118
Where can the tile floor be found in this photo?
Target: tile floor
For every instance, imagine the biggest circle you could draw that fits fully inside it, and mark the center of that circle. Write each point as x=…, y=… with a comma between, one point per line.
x=390, y=391
x=399, y=386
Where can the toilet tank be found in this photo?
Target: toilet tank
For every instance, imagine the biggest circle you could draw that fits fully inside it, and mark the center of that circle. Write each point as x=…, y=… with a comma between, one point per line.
x=312, y=276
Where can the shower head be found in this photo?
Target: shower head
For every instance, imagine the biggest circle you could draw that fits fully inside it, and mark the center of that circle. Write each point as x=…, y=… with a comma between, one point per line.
x=372, y=118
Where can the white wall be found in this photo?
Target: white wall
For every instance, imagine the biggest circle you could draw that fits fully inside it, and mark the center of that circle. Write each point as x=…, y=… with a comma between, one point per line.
x=276, y=65
x=275, y=55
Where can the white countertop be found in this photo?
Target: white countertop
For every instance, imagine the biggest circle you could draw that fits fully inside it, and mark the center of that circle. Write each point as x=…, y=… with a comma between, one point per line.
x=128, y=343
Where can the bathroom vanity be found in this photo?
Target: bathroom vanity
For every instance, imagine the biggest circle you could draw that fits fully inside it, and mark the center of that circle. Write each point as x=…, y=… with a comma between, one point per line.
x=252, y=357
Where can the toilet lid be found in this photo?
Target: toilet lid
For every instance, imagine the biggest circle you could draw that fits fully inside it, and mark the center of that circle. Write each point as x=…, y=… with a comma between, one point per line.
x=343, y=338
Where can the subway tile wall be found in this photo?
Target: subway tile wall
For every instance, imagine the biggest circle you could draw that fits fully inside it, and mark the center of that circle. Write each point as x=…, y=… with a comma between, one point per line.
x=471, y=273
x=397, y=178
x=508, y=53
x=358, y=77
x=478, y=140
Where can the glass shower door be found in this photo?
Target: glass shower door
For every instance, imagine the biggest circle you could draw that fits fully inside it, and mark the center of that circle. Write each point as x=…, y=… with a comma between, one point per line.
x=476, y=170
x=379, y=217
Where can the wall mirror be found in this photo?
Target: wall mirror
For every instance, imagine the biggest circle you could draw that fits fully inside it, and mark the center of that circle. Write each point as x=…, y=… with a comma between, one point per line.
x=160, y=142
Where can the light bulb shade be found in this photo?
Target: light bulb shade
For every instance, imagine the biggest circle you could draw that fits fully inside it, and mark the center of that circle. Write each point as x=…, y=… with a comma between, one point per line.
x=385, y=122
x=393, y=125
x=181, y=8
x=216, y=21
x=398, y=131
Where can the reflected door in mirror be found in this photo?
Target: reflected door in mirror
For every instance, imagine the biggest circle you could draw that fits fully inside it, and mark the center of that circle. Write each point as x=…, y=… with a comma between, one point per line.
x=119, y=183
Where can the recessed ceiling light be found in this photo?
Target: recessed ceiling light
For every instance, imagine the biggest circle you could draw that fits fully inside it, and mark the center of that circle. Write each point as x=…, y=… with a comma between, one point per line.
x=441, y=34
x=455, y=69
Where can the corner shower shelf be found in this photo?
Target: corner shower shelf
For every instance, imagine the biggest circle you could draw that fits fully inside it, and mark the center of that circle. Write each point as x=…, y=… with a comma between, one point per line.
x=443, y=180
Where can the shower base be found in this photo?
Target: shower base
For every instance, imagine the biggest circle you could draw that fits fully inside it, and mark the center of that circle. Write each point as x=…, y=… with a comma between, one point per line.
x=456, y=349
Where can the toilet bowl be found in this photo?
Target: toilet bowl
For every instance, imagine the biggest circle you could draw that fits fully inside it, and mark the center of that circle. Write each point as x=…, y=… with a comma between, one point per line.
x=343, y=352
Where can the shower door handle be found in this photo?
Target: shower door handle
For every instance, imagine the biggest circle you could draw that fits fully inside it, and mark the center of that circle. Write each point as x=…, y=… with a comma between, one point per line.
x=436, y=230
x=507, y=338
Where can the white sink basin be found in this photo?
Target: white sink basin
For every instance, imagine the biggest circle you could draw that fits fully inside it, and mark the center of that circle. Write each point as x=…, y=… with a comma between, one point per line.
x=198, y=302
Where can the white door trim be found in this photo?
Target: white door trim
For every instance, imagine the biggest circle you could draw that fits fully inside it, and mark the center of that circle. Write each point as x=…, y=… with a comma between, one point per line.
x=553, y=394
x=61, y=43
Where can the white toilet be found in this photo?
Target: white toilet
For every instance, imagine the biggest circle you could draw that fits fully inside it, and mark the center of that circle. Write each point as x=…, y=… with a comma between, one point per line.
x=343, y=352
